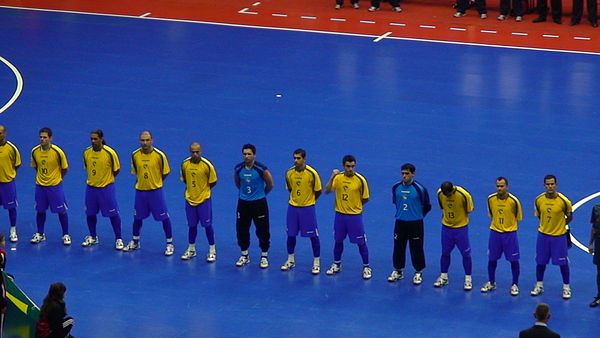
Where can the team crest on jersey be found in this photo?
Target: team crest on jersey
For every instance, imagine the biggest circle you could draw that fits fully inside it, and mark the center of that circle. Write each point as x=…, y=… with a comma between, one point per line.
x=500, y=211
x=450, y=205
x=549, y=210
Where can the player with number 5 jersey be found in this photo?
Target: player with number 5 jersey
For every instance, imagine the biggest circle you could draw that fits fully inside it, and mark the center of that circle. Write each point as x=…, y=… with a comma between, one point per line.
x=102, y=165
x=151, y=167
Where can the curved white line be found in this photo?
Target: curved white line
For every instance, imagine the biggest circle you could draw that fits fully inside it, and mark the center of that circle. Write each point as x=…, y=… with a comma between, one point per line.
x=19, y=88
x=575, y=206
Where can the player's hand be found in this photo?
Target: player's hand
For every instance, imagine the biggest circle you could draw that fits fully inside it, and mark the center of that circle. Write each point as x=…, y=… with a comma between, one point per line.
x=335, y=172
x=591, y=248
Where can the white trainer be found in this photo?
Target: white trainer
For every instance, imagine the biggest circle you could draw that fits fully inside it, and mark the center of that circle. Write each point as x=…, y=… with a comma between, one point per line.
x=316, y=269
x=333, y=269
x=514, y=290
x=170, y=249
x=119, y=244
x=537, y=290
x=37, y=237
x=211, y=256
x=243, y=260
x=566, y=292
x=264, y=262
x=468, y=285
x=488, y=286
x=367, y=273
x=396, y=275
x=439, y=282
x=66, y=239
x=132, y=246
x=89, y=241
x=418, y=278
x=13, y=236
x=188, y=254
x=288, y=265
x=355, y=5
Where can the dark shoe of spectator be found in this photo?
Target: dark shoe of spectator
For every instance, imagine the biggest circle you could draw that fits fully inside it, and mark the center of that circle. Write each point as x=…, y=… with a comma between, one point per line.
x=574, y=22
x=539, y=19
x=557, y=20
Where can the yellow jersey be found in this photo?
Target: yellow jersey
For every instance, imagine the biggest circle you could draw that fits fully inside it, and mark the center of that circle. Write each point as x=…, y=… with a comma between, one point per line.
x=101, y=166
x=505, y=213
x=197, y=177
x=552, y=213
x=149, y=168
x=456, y=208
x=10, y=160
x=350, y=193
x=48, y=164
x=302, y=186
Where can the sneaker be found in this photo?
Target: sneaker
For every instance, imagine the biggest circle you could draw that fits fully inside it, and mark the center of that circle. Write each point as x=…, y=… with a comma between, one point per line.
x=355, y=5
x=501, y=17
x=395, y=276
x=89, y=240
x=519, y=18
x=488, y=286
x=169, y=250
x=132, y=246
x=243, y=260
x=417, y=278
x=333, y=269
x=288, y=265
x=514, y=290
x=264, y=262
x=459, y=14
x=37, y=237
x=596, y=302
x=338, y=6
x=119, y=244
x=13, y=237
x=483, y=16
x=439, y=282
x=566, y=293
x=211, y=256
x=188, y=254
x=66, y=239
x=373, y=9
x=397, y=9
x=468, y=285
x=316, y=269
x=367, y=272
x=537, y=290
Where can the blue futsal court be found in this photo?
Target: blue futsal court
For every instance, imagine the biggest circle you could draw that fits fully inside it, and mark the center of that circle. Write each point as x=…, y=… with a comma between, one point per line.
x=462, y=113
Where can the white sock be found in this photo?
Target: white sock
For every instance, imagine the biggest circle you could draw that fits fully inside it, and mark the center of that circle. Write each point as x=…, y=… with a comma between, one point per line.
x=444, y=275
x=291, y=258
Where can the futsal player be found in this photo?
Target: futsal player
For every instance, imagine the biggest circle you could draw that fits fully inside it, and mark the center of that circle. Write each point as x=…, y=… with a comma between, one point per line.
x=351, y=194
x=200, y=177
x=304, y=184
x=151, y=167
x=50, y=164
x=254, y=182
x=456, y=204
x=10, y=161
x=102, y=165
x=505, y=210
x=555, y=212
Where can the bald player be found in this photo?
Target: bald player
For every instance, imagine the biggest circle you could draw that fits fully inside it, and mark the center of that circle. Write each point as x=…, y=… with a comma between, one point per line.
x=10, y=161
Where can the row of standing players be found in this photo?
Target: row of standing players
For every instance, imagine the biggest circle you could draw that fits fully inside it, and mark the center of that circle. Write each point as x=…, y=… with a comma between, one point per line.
x=254, y=181
x=507, y=8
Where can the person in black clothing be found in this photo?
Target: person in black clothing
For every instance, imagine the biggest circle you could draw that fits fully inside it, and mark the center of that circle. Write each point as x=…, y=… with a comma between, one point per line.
x=54, y=312
x=540, y=328
x=594, y=248
x=592, y=7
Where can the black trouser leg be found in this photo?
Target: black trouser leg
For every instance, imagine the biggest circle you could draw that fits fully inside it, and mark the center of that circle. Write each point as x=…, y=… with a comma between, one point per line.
x=242, y=224
x=416, y=242
x=261, y=220
x=400, y=239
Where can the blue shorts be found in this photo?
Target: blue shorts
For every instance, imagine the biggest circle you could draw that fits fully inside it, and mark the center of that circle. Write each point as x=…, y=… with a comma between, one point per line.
x=506, y=242
x=351, y=226
x=201, y=213
x=551, y=246
x=147, y=201
x=8, y=195
x=50, y=196
x=303, y=220
x=452, y=237
x=101, y=199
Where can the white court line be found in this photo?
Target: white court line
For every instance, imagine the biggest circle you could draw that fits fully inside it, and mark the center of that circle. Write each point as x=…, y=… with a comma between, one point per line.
x=19, y=87
x=302, y=30
x=145, y=15
x=243, y=10
x=256, y=3
x=575, y=207
x=427, y=26
x=381, y=37
x=488, y=31
x=518, y=33
x=308, y=17
x=581, y=38
x=549, y=36
x=366, y=21
x=337, y=19
x=458, y=29
x=281, y=15
x=397, y=24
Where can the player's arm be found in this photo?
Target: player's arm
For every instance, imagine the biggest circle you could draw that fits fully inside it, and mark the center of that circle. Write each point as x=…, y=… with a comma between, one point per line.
x=116, y=172
x=364, y=200
x=317, y=194
x=236, y=179
x=63, y=172
x=329, y=185
x=591, y=244
x=268, y=181
x=569, y=218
